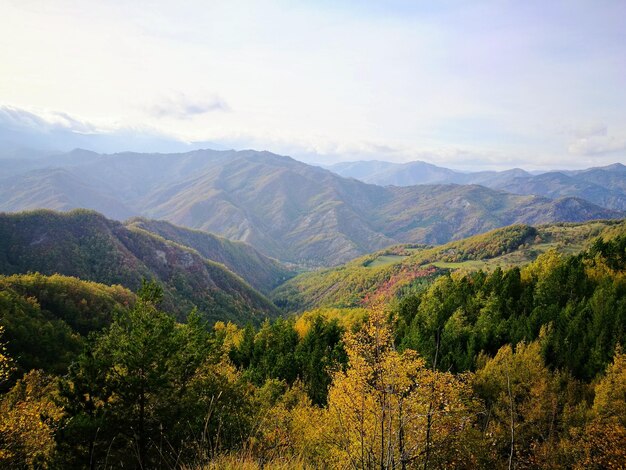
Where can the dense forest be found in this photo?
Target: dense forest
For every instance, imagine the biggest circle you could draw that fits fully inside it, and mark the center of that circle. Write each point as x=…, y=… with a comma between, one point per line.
x=520, y=367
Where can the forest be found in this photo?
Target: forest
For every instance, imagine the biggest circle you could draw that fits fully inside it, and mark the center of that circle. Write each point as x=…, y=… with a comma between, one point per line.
x=520, y=367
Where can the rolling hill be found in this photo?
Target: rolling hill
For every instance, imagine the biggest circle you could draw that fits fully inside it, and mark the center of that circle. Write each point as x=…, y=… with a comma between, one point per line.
x=86, y=245
x=395, y=270
x=286, y=209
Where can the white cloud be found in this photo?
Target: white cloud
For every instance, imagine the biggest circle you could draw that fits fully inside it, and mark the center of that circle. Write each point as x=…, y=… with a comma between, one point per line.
x=183, y=107
x=12, y=117
x=597, y=145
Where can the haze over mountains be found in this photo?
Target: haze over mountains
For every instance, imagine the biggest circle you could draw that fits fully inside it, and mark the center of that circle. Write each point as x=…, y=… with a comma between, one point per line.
x=604, y=186
x=286, y=209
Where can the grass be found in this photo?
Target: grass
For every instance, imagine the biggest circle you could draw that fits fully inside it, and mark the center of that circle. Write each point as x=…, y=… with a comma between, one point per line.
x=246, y=462
x=384, y=260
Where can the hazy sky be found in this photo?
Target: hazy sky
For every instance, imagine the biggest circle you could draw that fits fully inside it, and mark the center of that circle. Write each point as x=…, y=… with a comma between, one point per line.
x=537, y=84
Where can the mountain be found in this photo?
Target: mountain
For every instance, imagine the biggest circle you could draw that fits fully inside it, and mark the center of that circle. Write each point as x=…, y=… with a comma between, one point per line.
x=607, y=189
x=61, y=190
x=417, y=172
x=397, y=174
x=86, y=245
x=284, y=208
x=400, y=269
x=261, y=272
x=604, y=186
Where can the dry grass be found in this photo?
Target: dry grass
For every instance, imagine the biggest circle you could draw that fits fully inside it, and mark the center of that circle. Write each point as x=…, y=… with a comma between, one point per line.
x=246, y=462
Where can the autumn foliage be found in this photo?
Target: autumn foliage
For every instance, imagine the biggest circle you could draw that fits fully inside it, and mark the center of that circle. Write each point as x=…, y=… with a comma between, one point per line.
x=522, y=368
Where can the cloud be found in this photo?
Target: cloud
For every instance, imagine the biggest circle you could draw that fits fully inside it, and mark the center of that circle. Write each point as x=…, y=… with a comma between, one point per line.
x=597, y=145
x=58, y=131
x=53, y=130
x=20, y=119
x=581, y=130
x=183, y=107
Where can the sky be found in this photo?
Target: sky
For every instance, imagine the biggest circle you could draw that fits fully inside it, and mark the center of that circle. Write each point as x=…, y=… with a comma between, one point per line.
x=467, y=85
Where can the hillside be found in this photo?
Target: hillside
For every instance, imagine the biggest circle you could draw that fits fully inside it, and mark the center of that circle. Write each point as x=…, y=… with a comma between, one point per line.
x=47, y=318
x=86, y=245
x=401, y=268
x=284, y=208
x=261, y=272
x=604, y=186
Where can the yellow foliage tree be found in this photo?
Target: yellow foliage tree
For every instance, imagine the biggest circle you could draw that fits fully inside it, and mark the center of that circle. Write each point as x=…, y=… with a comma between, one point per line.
x=388, y=410
x=288, y=426
x=602, y=442
x=6, y=363
x=610, y=392
x=28, y=416
x=522, y=403
x=544, y=263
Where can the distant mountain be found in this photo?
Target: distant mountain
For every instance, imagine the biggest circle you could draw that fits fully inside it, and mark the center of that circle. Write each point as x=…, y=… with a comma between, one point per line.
x=397, y=174
x=286, y=209
x=556, y=185
x=59, y=189
x=85, y=244
x=604, y=186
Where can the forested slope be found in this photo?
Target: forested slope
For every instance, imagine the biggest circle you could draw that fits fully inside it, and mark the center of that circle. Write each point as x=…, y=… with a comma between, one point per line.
x=46, y=319
x=86, y=245
x=392, y=271
x=258, y=270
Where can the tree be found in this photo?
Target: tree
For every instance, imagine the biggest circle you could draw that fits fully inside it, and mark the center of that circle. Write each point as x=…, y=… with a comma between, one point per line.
x=29, y=416
x=597, y=440
x=6, y=363
x=126, y=390
x=521, y=401
x=610, y=392
x=319, y=351
x=388, y=410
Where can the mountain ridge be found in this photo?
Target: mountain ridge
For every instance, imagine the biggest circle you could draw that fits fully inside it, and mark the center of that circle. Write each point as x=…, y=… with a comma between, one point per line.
x=289, y=210
x=604, y=186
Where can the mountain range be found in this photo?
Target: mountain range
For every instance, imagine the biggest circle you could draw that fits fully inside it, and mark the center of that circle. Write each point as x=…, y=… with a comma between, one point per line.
x=286, y=209
x=604, y=186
